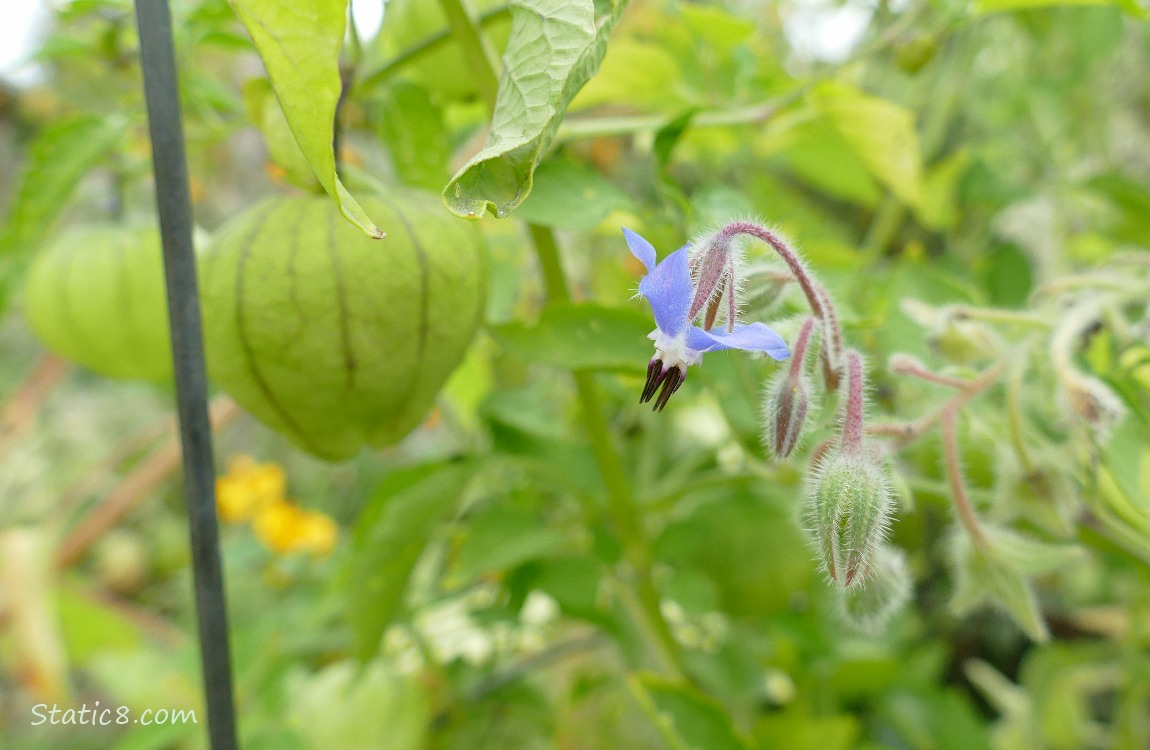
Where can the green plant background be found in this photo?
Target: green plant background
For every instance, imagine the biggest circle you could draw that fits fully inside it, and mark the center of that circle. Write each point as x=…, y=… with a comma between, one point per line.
x=543, y=563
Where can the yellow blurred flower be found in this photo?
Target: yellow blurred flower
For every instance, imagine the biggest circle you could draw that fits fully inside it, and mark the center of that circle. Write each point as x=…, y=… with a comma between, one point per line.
x=248, y=487
x=285, y=527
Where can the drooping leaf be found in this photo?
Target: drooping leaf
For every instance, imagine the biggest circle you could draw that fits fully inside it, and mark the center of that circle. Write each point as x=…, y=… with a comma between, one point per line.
x=299, y=45
x=555, y=48
x=390, y=535
x=882, y=134
x=581, y=336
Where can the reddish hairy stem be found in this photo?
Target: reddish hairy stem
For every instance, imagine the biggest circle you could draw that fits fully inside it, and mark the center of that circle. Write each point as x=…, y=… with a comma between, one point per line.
x=853, y=422
x=817, y=297
x=904, y=365
x=908, y=432
x=799, y=354
x=954, y=475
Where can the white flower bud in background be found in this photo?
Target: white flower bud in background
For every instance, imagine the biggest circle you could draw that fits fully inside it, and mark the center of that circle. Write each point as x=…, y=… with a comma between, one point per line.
x=887, y=588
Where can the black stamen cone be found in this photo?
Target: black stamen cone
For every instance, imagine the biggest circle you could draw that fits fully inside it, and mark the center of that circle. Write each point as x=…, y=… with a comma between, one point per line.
x=672, y=379
x=654, y=377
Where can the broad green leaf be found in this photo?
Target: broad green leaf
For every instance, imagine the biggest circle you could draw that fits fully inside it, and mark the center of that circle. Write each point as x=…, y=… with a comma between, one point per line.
x=812, y=148
x=1000, y=6
x=794, y=729
x=756, y=531
x=581, y=336
x=1131, y=202
x=502, y=538
x=572, y=581
x=91, y=626
x=389, y=538
x=882, y=134
x=555, y=48
x=415, y=43
x=57, y=160
x=688, y=719
x=412, y=126
x=518, y=716
x=299, y=44
x=939, y=206
x=639, y=71
x=571, y=196
x=353, y=708
x=264, y=111
x=998, y=572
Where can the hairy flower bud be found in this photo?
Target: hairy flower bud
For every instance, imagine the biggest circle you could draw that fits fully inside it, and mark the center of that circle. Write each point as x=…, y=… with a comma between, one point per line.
x=887, y=587
x=784, y=413
x=788, y=399
x=849, y=508
x=1094, y=403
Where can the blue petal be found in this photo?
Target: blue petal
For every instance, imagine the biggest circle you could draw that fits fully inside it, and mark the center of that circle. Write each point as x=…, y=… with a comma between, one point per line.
x=755, y=337
x=669, y=289
x=641, y=249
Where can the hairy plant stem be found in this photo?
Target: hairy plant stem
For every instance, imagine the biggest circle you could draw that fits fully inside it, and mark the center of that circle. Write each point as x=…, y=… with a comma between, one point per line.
x=962, y=504
x=992, y=315
x=908, y=432
x=625, y=516
x=852, y=439
x=817, y=297
x=621, y=508
x=1014, y=411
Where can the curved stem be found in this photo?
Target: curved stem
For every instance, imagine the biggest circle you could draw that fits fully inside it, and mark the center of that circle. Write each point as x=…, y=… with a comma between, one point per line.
x=621, y=507
x=954, y=475
x=1014, y=413
x=852, y=439
x=908, y=432
x=817, y=297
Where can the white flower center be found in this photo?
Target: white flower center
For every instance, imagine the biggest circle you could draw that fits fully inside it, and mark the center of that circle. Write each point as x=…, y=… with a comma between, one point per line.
x=673, y=350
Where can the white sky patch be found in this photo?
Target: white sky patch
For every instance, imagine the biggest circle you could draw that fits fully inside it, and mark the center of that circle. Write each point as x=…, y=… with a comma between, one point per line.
x=22, y=26
x=368, y=15
x=826, y=30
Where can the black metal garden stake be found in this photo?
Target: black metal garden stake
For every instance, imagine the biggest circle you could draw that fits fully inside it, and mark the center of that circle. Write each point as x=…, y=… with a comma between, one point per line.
x=173, y=203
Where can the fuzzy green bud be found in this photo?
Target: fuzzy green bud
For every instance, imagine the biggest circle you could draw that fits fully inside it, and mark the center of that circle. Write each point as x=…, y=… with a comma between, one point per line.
x=788, y=398
x=785, y=412
x=849, y=508
x=886, y=589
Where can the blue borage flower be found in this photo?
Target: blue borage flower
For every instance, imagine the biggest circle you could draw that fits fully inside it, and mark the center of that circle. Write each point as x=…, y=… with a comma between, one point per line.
x=677, y=298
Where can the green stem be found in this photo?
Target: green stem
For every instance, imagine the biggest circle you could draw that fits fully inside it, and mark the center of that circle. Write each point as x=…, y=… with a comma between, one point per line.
x=621, y=507
x=421, y=49
x=953, y=465
x=1008, y=317
x=1014, y=412
x=478, y=53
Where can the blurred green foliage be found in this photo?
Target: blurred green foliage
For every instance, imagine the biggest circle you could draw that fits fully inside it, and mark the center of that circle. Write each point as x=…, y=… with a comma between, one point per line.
x=543, y=563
